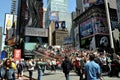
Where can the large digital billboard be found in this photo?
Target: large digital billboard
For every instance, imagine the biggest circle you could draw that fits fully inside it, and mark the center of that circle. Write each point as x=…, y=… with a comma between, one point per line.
x=54, y=16
x=102, y=41
x=30, y=31
x=8, y=22
x=100, y=25
x=86, y=28
x=116, y=35
x=88, y=3
x=88, y=43
x=76, y=37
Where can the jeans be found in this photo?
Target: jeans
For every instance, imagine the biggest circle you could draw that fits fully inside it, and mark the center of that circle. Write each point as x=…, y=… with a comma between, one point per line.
x=67, y=76
x=30, y=74
x=40, y=73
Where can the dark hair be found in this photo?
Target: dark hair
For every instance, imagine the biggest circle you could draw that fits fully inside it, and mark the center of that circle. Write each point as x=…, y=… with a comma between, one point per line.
x=91, y=56
x=66, y=57
x=5, y=63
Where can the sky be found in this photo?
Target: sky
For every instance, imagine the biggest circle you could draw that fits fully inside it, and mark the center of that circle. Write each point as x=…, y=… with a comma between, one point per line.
x=5, y=7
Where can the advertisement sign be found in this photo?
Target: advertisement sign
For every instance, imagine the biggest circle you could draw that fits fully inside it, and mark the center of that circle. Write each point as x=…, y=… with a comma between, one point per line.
x=8, y=22
x=102, y=41
x=76, y=37
x=116, y=35
x=54, y=16
x=17, y=54
x=88, y=3
x=30, y=46
x=88, y=43
x=86, y=28
x=30, y=31
x=100, y=25
x=3, y=55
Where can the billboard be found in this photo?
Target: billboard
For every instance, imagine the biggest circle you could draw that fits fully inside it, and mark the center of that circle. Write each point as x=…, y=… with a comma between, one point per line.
x=88, y=43
x=88, y=3
x=76, y=37
x=17, y=54
x=100, y=25
x=30, y=46
x=116, y=35
x=30, y=31
x=54, y=16
x=8, y=22
x=102, y=41
x=3, y=55
x=86, y=28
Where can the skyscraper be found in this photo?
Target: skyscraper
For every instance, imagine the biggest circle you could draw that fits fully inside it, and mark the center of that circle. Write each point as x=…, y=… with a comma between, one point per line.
x=57, y=10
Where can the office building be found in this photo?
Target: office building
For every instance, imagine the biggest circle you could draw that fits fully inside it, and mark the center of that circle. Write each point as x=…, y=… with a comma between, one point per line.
x=57, y=10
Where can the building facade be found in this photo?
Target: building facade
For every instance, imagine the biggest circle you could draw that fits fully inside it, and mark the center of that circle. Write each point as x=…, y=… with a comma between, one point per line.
x=93, y=27
x=57, y=10
x=59, y=36
x=30, y=30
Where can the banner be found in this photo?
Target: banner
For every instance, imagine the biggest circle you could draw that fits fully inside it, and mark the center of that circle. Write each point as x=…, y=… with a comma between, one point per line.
x=3, y=55
x=102, y=41
x=17, y=54
x=8, y=22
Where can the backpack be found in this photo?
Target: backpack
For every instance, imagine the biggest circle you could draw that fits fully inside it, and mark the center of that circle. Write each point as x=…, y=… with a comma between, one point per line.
x=67, y=66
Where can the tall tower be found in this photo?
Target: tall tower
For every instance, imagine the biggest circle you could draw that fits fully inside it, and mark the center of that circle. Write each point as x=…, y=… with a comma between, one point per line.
x=13, y=7
x=57, y=10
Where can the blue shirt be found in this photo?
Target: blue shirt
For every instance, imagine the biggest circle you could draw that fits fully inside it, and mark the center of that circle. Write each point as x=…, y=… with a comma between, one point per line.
x=92, y=69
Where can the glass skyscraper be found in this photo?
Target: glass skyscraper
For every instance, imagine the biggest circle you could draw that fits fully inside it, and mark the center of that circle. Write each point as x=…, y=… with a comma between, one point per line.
x=57, y=10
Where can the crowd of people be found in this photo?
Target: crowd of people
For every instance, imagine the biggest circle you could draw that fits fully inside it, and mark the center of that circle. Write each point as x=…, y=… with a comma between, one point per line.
x=87, y=64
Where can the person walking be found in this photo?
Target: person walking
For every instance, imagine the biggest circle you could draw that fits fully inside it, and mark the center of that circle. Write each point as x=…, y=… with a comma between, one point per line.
x=31, y=68
x=39, y=64
x=92, y=69
x=8, y=73
x=19, y=68
x=67, y=66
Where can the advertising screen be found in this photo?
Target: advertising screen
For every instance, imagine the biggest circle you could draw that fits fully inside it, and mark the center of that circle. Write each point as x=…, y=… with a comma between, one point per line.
x=86, y=28
x=88, y=43
x=88, y=3
x=30, y=46
x=17, y=54
x=30, y=31
x=76, y=37
x=54, y=16
x=8, y=22
x=102, y=41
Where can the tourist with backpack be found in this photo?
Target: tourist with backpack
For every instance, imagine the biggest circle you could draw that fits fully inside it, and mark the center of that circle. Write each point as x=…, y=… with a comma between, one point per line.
x=67, y=67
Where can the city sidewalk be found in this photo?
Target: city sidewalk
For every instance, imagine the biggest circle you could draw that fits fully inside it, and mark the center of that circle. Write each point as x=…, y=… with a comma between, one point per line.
x=58, y=75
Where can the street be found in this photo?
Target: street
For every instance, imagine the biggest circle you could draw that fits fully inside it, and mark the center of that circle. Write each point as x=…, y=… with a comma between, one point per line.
x=58, y=75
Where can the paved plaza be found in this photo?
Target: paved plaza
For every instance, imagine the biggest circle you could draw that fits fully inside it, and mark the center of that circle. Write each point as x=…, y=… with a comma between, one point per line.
x=58, y=75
